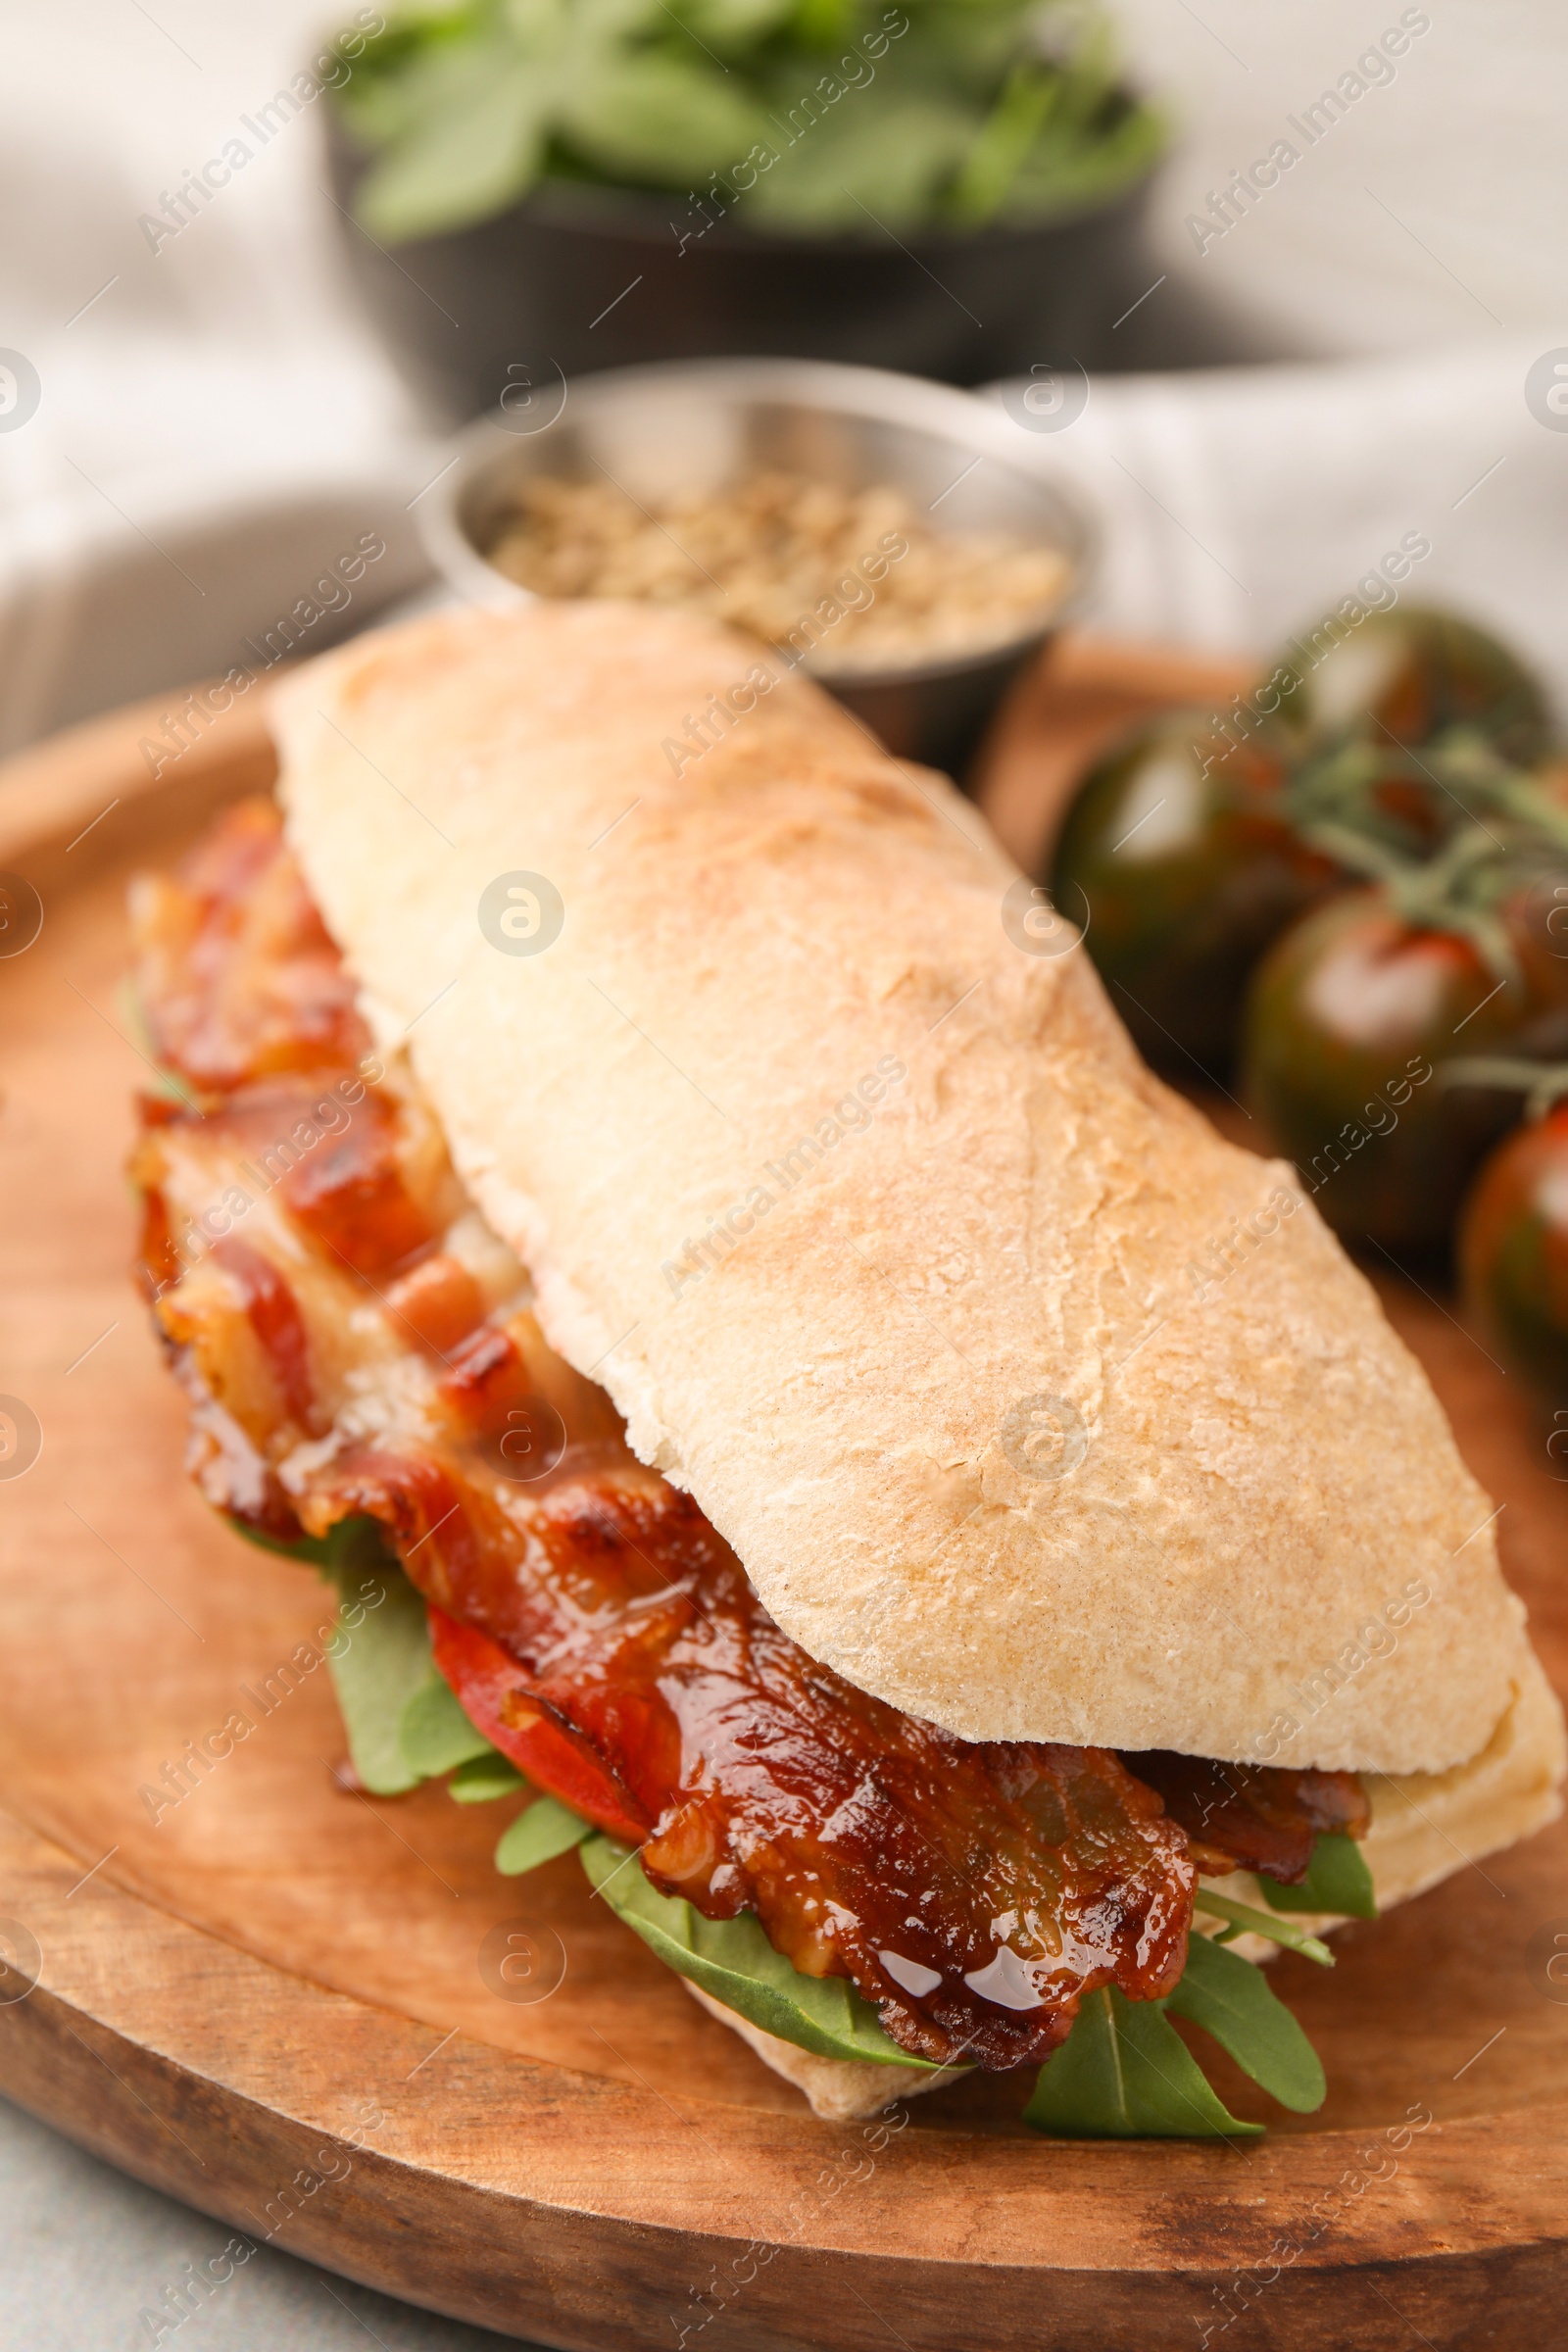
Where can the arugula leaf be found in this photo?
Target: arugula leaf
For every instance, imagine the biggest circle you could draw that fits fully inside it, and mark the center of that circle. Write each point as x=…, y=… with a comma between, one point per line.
x=1261, y=1923
x=730, y=24
x=1125, y=2073
x=401, y=73
x=472, y=152
x=733, y=1960
x=1232, y=1999
x=823, y=24
x=973, y=116
x=381, y=1654
x=433, y=1732
x=482, y=1778
x=403, y=1723
x=381, y=1650
x=875, y=153
x=547, y=1829
x=646, y=116
x=1060, y=176
x=1337, y=1880
x=996, y=159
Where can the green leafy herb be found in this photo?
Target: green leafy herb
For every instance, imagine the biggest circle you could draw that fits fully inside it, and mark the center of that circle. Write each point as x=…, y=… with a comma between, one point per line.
x=484, y=1777
x=381, y=1650
x=377, y=1667
x=733, y=1960
x=434, y=1733
x=649, y=117
x=547, y=1829
x=1242, y=1916
x=1338, y=1879
x=402, y=1721
x=473, y=144
x=1233, y=2001
x=879, y=157
x=732, y=25
x=991, y=167
x=1125, y=2073
x=803, y=115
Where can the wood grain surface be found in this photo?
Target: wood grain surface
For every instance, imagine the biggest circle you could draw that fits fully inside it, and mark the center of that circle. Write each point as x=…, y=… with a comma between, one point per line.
x=281, y=2001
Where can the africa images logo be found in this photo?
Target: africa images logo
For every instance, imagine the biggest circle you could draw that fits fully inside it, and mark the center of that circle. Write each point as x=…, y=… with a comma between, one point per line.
x=1546, y=390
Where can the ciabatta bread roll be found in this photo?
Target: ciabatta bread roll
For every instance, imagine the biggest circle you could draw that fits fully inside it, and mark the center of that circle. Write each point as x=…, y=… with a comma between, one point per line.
x=1027, y=1402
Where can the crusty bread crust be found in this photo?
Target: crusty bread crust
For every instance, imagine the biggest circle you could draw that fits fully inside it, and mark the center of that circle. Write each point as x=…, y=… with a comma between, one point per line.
x=1028, y=1403
x=840, y=2089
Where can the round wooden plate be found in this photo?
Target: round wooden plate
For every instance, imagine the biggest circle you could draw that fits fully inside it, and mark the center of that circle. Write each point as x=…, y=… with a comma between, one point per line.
x=282, y=2002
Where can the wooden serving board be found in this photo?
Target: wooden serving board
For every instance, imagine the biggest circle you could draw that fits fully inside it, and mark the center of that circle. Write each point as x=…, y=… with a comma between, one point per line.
x=281, y=2001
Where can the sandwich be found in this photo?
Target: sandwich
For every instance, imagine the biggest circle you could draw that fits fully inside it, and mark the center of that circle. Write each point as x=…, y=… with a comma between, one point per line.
x=712, y=1283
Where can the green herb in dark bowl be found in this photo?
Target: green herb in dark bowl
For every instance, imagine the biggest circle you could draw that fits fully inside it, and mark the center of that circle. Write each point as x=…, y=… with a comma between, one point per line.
x=800, y=116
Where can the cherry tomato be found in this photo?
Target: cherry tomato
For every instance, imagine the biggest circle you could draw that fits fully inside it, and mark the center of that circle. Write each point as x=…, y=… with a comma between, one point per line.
x=1513, y=1258
x=1412, y=673
x=1177, y=855
x=1347, y=1023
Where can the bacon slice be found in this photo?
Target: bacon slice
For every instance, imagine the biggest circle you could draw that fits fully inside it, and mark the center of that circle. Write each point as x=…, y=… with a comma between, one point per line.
x=1253, y=1816
x=237, y=975
x=603, y=1635
x=354, y=1340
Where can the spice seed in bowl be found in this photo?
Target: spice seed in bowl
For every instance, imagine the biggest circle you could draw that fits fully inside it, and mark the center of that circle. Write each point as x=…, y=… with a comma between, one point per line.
x=851, y=579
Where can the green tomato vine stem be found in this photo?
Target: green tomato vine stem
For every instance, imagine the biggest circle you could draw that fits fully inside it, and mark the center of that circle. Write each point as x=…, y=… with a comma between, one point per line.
x=1541, y=1083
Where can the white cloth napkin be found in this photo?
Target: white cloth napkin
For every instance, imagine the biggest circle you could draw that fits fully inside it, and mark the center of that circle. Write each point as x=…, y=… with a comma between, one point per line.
x=1238, y=505
x=214, y=422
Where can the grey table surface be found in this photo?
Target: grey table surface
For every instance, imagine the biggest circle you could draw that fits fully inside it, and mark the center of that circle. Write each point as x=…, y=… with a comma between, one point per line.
x=87, y=2257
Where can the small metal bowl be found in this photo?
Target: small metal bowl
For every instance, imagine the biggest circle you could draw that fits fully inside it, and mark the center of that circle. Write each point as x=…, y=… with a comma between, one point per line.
x=694, y=425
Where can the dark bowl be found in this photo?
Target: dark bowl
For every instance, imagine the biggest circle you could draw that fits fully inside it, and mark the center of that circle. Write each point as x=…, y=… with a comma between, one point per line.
x=581, y=278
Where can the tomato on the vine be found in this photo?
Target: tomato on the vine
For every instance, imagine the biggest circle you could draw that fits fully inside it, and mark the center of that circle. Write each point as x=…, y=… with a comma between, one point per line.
x=1179, y=858
x=1408, y=673
x=1513, y=1257
x=1348, y=1022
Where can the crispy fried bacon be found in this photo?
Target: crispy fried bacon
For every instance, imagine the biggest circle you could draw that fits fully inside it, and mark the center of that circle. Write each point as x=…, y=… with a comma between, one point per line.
x=354, y=1340
x=238, y=977
x=603, y=1635
x=1253, y=1816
